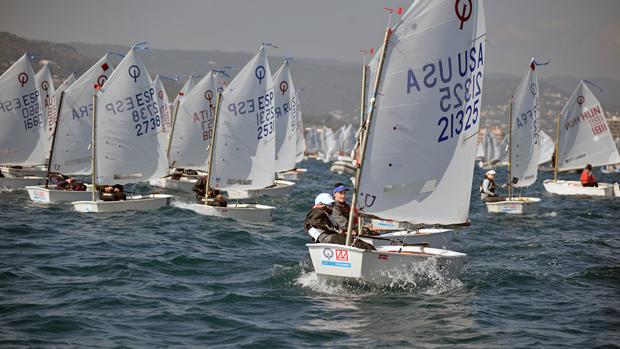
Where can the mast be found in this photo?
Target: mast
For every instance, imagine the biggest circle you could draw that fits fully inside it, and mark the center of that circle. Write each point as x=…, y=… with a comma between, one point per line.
x=174, y=121
x=49, y=161
x=510, y=148
x=363, y=101
x=365, y=128
x=212, y=144
x=557, y=148
x=93, y=146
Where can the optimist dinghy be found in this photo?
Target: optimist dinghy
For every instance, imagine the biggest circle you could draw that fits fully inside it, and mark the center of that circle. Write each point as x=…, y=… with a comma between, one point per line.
x=22, y=126
x=524, y=146
x=70, y=148
x=242, y=148
x=126, y=145
x=583, y=137
x=411, y=128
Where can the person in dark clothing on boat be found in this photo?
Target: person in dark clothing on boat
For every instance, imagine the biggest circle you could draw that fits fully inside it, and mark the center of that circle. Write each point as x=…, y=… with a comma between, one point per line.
x=342, y=209
x=214, y=198
x=1, y=174
x=200, y=189
x=487, y=188
x=112, y=193
x=587, y=178
x=321, y=227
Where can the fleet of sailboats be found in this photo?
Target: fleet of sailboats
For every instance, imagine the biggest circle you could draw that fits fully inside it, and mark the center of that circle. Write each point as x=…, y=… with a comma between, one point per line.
x=413, y=156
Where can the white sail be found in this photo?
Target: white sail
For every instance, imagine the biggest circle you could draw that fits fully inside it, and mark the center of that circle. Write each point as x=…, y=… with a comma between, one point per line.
x=193, y=126
x=164, y=108
x=479, y=151
x=491, y=147
x=312, y=144
x=421, y=145
x=45, y=82
x=72, y=152
x=504, y=146
x=21, y=118
x=244, y=153
x=585, y=137
x=331, y=141
x=547, y=148
x=525, y=149
x=286, y=119
x=187, y=86
x=68, y=81
x=348, y=139
x=300, y=146
x=128, y=148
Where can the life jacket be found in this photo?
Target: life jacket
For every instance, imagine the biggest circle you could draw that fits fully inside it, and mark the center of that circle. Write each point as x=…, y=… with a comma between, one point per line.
x=587, y=178
x=491, y=185
x=319, y=218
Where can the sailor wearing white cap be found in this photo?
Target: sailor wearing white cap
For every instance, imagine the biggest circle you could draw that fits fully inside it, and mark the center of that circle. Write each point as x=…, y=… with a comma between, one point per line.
x=487, y=187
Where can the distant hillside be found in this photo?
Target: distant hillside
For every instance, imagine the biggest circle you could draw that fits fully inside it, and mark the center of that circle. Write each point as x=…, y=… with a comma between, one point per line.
x=63, y=58
x=331, y=88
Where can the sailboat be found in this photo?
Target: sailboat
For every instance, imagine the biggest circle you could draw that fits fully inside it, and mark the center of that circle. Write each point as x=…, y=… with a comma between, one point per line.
x=190, y=136
x=583, y=137
x=70, y=151
x=242, y=148
x=492, y=151
x=21, y=125
x=126, y=146
x=524, y=146
x=287, y=112
x=416, y=159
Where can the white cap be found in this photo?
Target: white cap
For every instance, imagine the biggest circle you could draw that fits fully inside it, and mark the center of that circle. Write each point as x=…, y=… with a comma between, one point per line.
x=490, y=172
x=324, y=199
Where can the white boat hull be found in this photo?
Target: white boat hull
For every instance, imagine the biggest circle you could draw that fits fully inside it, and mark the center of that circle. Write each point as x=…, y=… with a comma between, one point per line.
x=562, y=187
x=291, y=175
x=135, y=203
x=183, y=184
x=343, y=167
x=24, y=172
x=435, y=238
x=386, y=266
x=282, y=188
x=40, y=194
x=19, y=183
x=242, y=212
x=616, y=190
x=516, y=205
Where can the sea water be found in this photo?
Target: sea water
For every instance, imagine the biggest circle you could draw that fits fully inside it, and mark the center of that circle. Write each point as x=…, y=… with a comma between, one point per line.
x=173, y=278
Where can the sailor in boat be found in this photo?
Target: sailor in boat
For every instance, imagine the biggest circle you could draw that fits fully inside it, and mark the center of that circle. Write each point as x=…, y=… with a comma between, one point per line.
x=112, y=192
x=342, y=209
x=587, y=178
x=321, y=226
x=488, y=187
x=71, y=183
x=1, y=174
x=214, y=197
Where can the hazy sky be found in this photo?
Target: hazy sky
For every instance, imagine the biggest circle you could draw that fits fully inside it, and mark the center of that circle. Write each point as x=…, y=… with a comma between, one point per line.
x=581, y=37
